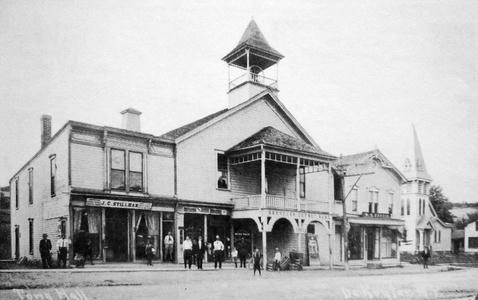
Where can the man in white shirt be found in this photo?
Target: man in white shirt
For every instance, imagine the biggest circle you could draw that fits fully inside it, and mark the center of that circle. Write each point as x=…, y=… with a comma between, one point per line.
x=187, y=252
x=277, y=259
x=62, y=247
x=218, y=248
x=168, y=247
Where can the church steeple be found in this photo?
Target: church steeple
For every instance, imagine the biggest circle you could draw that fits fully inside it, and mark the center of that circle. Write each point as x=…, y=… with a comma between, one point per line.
x=248, y=63
x=414, y=167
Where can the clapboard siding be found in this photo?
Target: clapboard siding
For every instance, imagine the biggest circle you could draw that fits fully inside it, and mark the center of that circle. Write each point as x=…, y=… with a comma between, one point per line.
x=161, y=175
x=87, y=166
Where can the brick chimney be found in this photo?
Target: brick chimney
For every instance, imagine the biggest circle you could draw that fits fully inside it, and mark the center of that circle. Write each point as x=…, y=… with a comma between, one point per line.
x=45, y=129
x=131, y=120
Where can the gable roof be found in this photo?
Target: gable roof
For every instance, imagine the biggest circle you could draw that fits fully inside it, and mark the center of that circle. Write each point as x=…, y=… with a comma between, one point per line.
x=178, y=132
x=364, y=158
x=253, y=38
x=270, y=136
x=189, y=130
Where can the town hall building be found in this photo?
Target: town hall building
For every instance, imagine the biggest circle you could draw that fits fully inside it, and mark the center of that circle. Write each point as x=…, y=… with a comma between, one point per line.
x=248, y=172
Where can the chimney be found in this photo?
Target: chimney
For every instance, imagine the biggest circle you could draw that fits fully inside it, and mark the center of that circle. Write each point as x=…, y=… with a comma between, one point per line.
x=130, y=119
x=45, y=129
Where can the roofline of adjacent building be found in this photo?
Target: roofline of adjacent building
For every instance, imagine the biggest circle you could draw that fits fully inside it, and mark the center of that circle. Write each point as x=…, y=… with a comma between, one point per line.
x=71, y=123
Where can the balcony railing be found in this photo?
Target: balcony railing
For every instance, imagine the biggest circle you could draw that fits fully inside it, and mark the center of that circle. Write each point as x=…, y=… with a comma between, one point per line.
x=278, y=202
x=253, y=78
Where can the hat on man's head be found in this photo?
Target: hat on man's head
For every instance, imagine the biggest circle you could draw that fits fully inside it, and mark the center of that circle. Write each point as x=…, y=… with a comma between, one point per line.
x=45, y=235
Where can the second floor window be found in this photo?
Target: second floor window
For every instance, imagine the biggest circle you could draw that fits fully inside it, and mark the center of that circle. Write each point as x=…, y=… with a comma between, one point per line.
x=373, y=202
x=408, y=207
x=354, y=195
x=390, y=203
x=30, y=185
x=16, y=194
x=52, y=175
x=135, y=171
x=302, y=182
x=118, y=176
x=402, y=208
x=222, y=172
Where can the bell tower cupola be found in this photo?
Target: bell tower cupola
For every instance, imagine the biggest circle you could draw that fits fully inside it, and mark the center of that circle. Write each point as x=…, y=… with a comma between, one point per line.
x=249, y=66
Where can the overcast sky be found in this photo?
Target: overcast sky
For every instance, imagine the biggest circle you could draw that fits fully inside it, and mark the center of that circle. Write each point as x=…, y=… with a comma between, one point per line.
x=356, y=74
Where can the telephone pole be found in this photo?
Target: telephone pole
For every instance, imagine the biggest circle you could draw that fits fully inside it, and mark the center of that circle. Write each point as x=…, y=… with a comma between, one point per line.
x=341, y=173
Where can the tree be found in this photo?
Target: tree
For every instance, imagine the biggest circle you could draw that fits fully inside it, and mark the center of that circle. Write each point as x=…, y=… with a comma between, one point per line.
x=441, y=204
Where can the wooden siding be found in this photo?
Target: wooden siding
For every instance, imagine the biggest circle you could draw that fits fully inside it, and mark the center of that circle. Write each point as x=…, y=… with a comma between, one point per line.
x=87, y=166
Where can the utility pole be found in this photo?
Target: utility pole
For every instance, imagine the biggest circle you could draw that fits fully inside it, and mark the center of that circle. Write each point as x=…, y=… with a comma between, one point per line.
x=341, y=174
x=340, y=171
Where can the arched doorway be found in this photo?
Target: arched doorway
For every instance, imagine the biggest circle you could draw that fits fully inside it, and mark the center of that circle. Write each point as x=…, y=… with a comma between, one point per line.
x=283, y=237
x=317, y=243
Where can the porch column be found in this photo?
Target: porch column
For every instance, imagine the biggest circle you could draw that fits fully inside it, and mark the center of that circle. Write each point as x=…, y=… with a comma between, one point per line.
x=248, y=65
x=133, y=234
x=421, y=242
x=263, y=179
x=232, y=236
x=103, y=233
x=205, y=236
x=331, y=243
x=299, y=242
x=264, y=248
x=160, y=250
x=297, y=183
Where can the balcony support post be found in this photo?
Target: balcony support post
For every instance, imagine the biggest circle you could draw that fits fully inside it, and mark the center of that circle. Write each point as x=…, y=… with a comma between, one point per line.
x=263, y=178
x=297, y=183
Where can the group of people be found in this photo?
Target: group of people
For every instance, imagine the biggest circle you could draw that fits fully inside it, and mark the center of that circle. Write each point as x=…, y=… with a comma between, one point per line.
x=45, y=248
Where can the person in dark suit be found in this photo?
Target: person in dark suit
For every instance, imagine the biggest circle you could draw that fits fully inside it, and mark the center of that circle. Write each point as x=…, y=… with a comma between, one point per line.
x=242, y=253
x=426, y=255
x=45, y=251
x=256, y=258
x=198, y=249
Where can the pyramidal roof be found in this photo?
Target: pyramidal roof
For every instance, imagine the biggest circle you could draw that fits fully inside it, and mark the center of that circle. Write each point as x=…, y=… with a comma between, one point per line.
x=253, y=37
x=414, y=166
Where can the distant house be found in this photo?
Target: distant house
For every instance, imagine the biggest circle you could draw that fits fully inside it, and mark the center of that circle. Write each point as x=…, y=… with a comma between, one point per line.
x=5, y=222
x=471, y=237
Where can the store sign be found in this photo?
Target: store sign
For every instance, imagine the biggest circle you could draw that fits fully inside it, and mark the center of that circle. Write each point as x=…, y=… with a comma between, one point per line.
x=204, y=210
x=296, y=214
x=118, y=204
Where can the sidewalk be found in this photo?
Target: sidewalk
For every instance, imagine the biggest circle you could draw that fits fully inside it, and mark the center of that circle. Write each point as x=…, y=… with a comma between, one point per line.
x=406, y=268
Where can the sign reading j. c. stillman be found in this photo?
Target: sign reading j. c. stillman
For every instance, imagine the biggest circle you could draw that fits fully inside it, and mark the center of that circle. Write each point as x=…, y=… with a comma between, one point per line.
x=118, y=204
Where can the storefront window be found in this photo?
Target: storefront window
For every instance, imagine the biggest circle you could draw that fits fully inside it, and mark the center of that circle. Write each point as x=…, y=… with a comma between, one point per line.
x=389, y=243
x=86, y=228
x=355, y=243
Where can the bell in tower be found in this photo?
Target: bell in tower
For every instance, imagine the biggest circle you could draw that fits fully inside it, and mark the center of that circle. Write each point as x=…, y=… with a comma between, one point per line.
x=249, y=66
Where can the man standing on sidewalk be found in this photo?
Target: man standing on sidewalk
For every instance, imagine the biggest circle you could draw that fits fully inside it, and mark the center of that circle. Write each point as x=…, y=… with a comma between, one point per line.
x=187, y=252
x=168, y=247
x=62, y=247
x=198, y=249
x=45, y=251
x=218, y=250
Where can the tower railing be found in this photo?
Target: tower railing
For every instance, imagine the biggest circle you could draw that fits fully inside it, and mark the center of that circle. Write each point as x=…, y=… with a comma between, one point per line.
x=252, y=77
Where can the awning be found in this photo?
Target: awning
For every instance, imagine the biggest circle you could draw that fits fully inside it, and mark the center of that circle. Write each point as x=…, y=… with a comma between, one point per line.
x=376, y=221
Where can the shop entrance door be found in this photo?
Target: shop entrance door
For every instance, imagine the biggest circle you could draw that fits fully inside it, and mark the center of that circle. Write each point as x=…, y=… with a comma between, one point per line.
x=116, y=234
x=370, y=243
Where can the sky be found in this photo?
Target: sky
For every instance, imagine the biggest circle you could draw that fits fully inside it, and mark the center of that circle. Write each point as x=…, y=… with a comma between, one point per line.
x=356, y=74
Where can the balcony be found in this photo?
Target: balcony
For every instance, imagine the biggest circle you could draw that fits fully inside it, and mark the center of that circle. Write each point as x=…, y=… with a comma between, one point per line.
x=253, y=202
